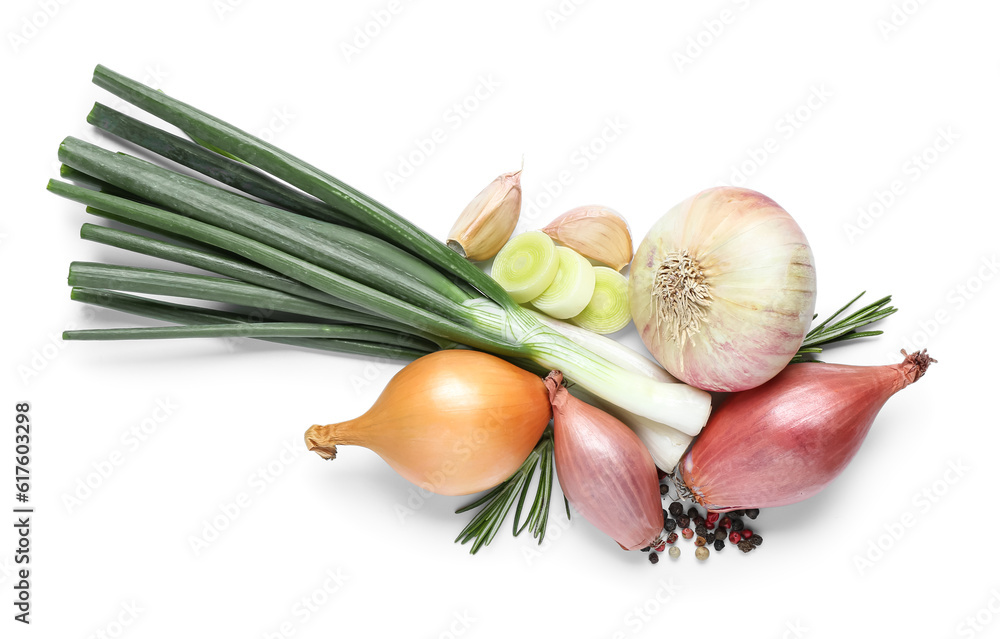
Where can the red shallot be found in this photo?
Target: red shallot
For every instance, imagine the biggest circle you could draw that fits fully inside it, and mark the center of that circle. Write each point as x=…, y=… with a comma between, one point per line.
x=784, y=441
x=604, y=469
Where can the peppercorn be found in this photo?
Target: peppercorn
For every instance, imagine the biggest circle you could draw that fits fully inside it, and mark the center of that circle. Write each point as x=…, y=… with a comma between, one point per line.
x=676, y=509
x=747, y=533
x=737, y=524
x=701, y=553
x=701, y=530
x=646, y=549
x=687, y=533
x=719, y=544
x=664, y=489
x=669, y=525
x=720, y=535
x=726, y=522
x=693, y=512
x=753, y=512
x=737, y=513
x=674, y=552
x=653, y=558
x=711, y=518
x=745, y=545
x=735, y=537
x=756, y=539
x=700, y=541
x=671, y=538
x=684, y=521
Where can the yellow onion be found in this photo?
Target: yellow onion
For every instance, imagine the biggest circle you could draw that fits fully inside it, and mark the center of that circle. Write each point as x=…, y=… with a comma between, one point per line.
x=454, y=422
x=722, y=289
x=604, y=470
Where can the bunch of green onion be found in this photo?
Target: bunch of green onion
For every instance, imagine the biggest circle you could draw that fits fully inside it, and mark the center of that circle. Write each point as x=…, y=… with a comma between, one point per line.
x=334, y=269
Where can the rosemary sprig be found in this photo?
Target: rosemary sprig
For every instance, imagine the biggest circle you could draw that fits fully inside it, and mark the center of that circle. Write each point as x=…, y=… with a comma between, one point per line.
x=498, y=501
x=845, y=329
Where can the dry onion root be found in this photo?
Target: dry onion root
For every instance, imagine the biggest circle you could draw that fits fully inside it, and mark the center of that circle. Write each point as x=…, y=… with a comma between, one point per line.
x=722, y=289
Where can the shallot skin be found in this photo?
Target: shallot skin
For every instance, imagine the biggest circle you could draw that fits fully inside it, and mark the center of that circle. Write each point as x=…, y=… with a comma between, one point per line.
x=787, y=439
x=604, y=470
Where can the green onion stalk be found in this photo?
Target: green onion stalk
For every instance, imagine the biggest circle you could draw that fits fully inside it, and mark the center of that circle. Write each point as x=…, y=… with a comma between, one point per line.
x=279, y=233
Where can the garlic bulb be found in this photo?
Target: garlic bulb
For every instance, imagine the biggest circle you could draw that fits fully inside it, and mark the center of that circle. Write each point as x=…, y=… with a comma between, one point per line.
x=489, y=219
x=722, y=289
x=595, y=232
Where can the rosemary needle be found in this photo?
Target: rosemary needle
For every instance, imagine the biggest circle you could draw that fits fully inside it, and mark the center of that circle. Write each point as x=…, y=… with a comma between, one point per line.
x=497, y=502
x=826, y=333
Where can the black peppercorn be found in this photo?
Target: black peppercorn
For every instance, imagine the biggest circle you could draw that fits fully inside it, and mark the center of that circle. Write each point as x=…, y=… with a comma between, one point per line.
x=720, y=543
x=653, y=558
x=676, y=509
x=753, y=512
x=755, y=539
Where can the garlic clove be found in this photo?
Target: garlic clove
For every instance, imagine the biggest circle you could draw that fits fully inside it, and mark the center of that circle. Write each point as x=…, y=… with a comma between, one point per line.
x=489, y=219
x=596, y=232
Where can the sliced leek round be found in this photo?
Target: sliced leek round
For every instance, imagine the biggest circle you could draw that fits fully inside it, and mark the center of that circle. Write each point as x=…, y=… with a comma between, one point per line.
x=526, y=265
x=608, y=310
x=571, y=290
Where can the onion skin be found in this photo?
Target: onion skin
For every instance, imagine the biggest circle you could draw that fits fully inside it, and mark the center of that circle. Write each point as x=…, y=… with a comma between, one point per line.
x=755, y=278
x=784, y=441
x=454, y=422
x=604, y=470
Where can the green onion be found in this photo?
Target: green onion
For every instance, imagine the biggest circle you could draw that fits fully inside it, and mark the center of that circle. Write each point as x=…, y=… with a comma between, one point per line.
x=385, y=267
x=526, y=265
x=571, y=290
x=608, y=310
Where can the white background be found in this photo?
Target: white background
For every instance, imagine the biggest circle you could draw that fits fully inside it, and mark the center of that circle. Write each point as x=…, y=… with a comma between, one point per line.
x=891, y=79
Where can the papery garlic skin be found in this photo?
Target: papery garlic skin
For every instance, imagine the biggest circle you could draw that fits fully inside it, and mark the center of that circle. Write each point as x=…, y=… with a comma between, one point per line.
x=489, y=219
x=595, y=232
x=722, y=289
